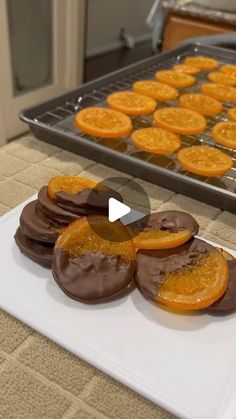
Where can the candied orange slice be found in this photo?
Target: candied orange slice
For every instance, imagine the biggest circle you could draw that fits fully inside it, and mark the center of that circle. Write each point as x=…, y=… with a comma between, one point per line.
x=180, y=121
x=197, y=286
x=175, y=79
x=160, y=239
x=156, y=140
x=205, y=105
x=187, y=69
x=155, y=90
x=131, y=103
x=81, y=237
x=102, y=122
x=201, y=62
x=223, y=78
x=225, y=133
x=219, y=91
x=204, y=160
x=232, y=114
x=68, y=184
x=228, y=68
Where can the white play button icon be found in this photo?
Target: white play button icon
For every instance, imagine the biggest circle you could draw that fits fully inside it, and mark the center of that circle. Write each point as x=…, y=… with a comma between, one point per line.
x=117, y=210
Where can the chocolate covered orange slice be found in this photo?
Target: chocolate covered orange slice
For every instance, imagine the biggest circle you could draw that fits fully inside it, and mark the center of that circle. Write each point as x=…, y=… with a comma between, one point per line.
x=225, y=133
x=190, y=277
x=180, y=121
x=68, y=184
x=227, y=303
x=175, y=79
x=39, y=252
x=38, y=227
x=104, y=123
x=90, y=268
x=46, y=206
x=81, y=195
x=163, y=230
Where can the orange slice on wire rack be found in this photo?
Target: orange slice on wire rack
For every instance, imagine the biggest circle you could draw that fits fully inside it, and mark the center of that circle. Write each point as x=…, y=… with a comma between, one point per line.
x=232, y=114
x=204, y=161
x=219, y=91
x=156, y=140
x=205, y=105
x=202, y=62
x=69, y=184
x=225, y=133
x=187, y=69
x=196, y=286
x=131, y=103
x=180, y=121
x=104, y=123
x=228, y=68
x=229, y=79
x=175, y=79
x=155, y=90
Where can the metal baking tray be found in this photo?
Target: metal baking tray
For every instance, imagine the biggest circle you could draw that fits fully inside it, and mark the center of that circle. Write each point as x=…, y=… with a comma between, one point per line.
x=53, y=122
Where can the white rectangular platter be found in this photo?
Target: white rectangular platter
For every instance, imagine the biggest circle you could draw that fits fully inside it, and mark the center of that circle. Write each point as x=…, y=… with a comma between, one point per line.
x=184, y=363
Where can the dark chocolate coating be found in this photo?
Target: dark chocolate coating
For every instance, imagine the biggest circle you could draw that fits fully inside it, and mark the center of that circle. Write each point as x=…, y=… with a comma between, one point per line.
x=39, y=252
x=227, y=303
x=52, y=210
x=89, y=201
x=172, y=221
x=37, y=227
x=152, y=265
x=93, y=277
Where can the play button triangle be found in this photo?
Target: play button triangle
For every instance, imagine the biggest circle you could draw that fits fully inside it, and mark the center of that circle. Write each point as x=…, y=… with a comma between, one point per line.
x=117, y=210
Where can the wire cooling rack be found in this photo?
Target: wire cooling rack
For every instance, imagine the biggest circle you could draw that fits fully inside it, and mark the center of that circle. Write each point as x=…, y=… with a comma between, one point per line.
x=53, y=121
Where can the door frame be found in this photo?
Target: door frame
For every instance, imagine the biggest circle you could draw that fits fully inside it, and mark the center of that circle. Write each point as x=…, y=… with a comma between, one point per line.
x=68, y=63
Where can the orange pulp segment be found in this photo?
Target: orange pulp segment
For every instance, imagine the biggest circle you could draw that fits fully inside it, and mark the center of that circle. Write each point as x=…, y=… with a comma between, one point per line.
x=68, y=184
x=204, y=160
x=80, y=238
x=197, y=286
x=156, y=140
x=201, y=62
x=131, y=103
x=225, y=133
x=160, y=239
x=102, y=122
x=232, y=114
x=223, y=78
x=155, y=90
x=205, y=105
x=187, y=69
x=180, y=121
x=175, y=79
x=219, y=91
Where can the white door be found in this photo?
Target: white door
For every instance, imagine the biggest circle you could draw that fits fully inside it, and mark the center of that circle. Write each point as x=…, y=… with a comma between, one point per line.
x=41, y=53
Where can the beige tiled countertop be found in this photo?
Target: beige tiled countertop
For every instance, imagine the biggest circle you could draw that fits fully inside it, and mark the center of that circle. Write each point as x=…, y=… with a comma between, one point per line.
x=38, y=379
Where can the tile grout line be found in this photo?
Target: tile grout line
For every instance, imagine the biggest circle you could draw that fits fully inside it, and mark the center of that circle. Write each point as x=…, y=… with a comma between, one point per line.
x=74, y=399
